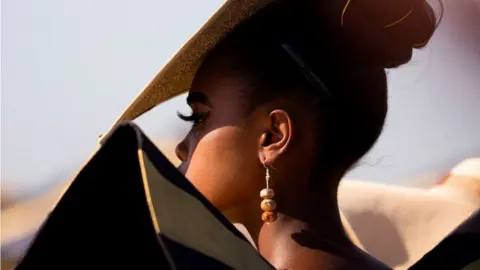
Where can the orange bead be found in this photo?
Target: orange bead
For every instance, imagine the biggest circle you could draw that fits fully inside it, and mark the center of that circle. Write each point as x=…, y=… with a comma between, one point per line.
x=269, y=216
x=268, y=205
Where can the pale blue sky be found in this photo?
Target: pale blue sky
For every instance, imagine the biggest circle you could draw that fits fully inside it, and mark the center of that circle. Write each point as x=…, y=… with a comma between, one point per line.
x=69, y=68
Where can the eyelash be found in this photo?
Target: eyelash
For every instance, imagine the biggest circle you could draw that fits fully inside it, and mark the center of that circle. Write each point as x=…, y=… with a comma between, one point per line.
x=195, y=118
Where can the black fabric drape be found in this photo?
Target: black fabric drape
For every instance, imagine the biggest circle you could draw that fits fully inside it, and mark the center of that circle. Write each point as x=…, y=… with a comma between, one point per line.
x=130, y=208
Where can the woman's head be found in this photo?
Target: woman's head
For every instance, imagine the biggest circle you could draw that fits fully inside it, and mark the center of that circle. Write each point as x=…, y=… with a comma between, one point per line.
x=291, y=90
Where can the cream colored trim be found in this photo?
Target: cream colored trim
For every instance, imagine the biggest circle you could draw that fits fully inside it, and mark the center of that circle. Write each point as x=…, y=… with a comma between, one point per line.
x=192, y=235
x=147, y=190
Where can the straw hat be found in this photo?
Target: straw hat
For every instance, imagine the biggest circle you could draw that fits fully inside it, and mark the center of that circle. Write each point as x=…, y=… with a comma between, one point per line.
x=177, y=75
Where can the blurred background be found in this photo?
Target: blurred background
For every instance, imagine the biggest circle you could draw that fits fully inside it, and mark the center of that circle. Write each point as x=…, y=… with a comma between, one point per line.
x=69, y=68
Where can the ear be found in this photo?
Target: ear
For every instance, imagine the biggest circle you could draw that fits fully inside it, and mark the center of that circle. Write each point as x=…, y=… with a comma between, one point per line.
x=276, y=138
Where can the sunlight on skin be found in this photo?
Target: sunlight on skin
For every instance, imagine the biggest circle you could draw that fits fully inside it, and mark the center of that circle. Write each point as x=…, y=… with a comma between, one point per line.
x=33, y=212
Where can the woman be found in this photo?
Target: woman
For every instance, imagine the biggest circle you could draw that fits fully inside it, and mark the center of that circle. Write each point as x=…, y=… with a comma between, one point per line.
x=256, y=113
x=286, y=102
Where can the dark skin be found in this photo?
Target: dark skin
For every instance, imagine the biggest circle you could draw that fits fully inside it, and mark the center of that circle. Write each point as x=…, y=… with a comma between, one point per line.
x=225, y=154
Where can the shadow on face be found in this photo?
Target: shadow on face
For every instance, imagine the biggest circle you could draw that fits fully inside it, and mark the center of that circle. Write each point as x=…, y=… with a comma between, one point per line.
x=220, y=153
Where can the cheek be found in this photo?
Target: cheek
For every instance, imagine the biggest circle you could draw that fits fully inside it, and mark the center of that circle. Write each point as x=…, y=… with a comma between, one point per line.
x=223, y=167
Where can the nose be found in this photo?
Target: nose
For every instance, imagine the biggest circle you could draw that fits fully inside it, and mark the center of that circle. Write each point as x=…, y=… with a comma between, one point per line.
x=182, y=151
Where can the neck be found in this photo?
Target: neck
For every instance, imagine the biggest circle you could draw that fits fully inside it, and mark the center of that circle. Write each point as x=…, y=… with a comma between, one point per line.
x=312, y=220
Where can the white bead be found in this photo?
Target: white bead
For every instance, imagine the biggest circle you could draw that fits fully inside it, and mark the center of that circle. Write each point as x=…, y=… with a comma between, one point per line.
x=267, y=193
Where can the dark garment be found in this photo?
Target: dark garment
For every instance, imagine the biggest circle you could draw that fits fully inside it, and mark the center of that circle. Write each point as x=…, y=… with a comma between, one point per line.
x=130, y=208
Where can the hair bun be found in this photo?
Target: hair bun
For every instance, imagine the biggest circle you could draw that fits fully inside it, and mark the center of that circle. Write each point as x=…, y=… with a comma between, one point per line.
x=382, y=33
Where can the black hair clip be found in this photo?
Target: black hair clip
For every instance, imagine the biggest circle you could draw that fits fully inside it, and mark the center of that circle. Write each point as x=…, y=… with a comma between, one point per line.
x=312, y=78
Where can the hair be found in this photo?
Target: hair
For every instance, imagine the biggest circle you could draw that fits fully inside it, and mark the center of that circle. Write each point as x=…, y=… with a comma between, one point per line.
x=348, y=46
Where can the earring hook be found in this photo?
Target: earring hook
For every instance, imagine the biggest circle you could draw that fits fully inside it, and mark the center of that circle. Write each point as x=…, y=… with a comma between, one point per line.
x=267, y=175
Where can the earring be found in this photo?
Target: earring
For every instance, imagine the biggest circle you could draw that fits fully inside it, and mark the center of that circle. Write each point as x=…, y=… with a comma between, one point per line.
x=268, y=205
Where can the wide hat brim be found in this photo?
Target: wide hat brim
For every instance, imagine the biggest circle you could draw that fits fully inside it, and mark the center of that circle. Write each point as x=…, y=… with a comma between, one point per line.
x=177, y=75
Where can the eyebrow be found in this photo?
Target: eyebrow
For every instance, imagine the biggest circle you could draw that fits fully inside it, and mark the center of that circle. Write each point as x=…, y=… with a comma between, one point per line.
x=197, y=97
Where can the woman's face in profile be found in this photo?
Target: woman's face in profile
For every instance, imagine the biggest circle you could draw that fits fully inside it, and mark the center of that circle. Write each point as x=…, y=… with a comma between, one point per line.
x=220, y=153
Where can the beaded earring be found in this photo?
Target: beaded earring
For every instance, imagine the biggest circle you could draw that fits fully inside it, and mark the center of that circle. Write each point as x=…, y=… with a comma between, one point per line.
x=268, y=205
